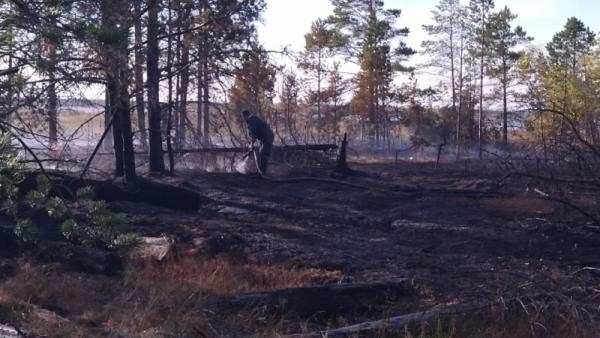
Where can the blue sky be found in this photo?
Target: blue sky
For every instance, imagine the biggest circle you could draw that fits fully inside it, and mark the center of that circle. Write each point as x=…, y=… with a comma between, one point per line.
x=286, y=21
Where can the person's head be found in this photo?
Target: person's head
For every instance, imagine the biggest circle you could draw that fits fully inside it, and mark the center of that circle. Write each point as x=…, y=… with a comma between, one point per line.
x=246, y=114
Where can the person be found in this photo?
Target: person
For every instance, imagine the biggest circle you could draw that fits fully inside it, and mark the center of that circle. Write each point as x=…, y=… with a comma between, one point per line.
x=260, y=130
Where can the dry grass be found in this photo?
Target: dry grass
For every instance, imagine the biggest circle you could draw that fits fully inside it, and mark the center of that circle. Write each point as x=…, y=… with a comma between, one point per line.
x=518, y=205
x=64, y=293
x=220, y=275
x=163, y=298
x=71, y=120
x=169, y=300
x=541, y=319
x=33, y=298
x=150, y=300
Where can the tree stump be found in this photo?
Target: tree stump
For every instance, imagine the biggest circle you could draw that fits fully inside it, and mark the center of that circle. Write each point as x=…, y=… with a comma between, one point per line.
x=341, y=163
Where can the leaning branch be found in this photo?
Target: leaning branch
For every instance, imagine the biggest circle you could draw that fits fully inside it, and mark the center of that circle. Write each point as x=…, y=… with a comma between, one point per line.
x=4, y=129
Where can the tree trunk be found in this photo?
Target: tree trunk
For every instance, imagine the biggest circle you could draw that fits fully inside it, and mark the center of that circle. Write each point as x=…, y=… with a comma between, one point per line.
x=170, y=92
x=200, y=86
x=52, y=110
x=505, y=104
x=125, y=119
x=107, y=144
x=480, y=129
x=205, y=101
x=174, y=60
x=183, y=89
x=157, y=164
x=185, y=77
x=200, y=95
x=452, y=70
x=116, y=58
x=113, y=95
x=460, y=97
x=139, y=74
x=341, y=163
x=319, y=122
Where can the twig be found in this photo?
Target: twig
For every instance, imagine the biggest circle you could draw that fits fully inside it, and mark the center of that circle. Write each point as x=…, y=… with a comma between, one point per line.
x=587, y=268
x=547, y=196
x=26, y=147
x=98, y=145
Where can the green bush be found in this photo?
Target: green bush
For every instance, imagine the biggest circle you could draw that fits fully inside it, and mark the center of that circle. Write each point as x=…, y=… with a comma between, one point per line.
x=95, y=226
x=101, y=226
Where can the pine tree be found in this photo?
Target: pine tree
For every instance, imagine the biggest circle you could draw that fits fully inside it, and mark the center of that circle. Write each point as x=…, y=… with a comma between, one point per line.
x=503, y=40
x=446, y=33
x=227, y=30
x=447, y=51
x=565, y=53
x=114, y=39
x=290, y=92
x=569, y=45
x=334, y=96
x=138, y=69
x=480, y=11
x=370, y=32
x=320, y=44
x=254, y=84
x=156, y=163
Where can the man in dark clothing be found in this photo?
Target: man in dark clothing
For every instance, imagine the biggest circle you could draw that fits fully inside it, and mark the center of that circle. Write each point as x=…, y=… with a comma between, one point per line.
x=259, y=129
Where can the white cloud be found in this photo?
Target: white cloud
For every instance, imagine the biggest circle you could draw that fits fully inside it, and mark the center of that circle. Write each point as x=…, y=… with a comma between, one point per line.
x=285, y=22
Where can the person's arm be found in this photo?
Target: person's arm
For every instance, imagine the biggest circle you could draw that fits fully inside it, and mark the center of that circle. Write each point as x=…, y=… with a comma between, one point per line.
x=252, y=128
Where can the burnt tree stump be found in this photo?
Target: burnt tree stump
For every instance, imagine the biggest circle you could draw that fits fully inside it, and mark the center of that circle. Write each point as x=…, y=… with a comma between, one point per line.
x=341, y=163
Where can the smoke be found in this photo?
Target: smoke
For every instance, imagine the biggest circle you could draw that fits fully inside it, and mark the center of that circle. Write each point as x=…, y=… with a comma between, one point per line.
x=245, y=166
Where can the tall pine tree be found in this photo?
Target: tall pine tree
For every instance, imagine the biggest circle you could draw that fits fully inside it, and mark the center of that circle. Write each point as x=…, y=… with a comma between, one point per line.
x=374, y=41
x=503, y=59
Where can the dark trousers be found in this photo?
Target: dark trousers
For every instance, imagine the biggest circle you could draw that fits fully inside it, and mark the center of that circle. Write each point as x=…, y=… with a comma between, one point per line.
x=263, y=156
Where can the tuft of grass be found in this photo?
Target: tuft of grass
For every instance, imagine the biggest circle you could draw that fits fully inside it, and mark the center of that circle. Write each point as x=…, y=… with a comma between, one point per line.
x=220, y=275
x=520, y=205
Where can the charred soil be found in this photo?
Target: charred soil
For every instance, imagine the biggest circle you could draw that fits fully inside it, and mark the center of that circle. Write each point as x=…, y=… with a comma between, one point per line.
x=510, y=263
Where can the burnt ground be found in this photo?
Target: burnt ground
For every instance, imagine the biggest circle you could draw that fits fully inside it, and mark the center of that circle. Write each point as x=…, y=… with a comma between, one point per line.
x=461, y=237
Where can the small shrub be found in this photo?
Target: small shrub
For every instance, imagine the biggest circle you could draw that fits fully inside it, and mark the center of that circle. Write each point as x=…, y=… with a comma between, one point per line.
x=99, y=226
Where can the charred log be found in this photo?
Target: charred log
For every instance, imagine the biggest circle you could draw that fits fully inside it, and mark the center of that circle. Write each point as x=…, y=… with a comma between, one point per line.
x=307, y=147
x=144, y=190
x=77, y=258
x=328, y=299
x=399, y=323
x=9, y=243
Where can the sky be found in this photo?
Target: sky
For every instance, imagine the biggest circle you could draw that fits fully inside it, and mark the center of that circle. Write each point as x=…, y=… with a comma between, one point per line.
x=286, y=21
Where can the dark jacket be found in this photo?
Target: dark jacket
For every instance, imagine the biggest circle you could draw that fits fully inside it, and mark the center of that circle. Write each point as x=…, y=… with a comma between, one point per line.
x=260, y=129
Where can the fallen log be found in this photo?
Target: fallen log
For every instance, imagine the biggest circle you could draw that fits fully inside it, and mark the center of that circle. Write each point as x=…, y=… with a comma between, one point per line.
x=285, y=148
x=328, y=299
x=144, y=190
x=76, y=257
x=466, y=193
x=9, y=243
x=411, y=320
